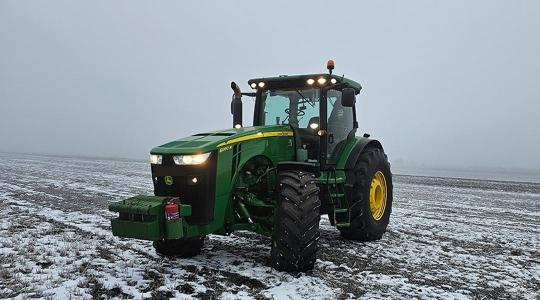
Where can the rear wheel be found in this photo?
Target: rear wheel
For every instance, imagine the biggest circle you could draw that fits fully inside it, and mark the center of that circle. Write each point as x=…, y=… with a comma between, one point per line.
x=186, y=247
x=296, y=233
x=370, y=196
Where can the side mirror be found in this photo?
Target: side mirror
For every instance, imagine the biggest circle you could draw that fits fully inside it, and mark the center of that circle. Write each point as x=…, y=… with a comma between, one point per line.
x=236, y=105
x=348, y=97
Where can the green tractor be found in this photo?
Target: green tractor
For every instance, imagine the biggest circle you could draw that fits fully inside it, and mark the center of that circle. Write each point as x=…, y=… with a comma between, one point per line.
x=299, y=160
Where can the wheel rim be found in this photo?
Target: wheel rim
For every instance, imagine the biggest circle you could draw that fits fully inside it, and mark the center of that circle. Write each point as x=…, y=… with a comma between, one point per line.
x=377, y=195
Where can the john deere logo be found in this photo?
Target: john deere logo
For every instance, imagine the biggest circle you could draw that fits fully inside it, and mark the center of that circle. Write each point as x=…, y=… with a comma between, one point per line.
x=168, y=180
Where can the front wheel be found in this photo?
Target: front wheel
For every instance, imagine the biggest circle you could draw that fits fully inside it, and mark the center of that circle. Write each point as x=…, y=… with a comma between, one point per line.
x=183, y=248
x=370, y=196
x=296, y=229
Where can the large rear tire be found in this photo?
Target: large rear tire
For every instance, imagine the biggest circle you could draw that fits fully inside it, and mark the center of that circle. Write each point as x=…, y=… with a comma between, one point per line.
x=183, y=248
x=370, y=196
x=296, y=234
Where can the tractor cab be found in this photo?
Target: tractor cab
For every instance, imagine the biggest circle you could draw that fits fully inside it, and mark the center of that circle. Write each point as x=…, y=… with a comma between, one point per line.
x=319, y=108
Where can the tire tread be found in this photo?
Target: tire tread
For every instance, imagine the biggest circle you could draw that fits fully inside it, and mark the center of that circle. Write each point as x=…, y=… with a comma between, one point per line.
x=295, y=242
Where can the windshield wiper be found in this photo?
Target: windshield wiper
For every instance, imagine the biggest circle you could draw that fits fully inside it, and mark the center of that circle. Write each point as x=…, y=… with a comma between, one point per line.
x=304, y=98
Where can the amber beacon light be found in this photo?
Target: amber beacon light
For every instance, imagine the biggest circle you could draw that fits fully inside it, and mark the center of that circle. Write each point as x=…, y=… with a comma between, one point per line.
x=330, y=65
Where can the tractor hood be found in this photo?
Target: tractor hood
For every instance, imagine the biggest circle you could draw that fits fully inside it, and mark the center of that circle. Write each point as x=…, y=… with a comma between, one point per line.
x=205, y=142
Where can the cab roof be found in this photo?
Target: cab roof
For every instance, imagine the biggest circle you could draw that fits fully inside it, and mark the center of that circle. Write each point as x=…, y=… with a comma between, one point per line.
x=285, y=81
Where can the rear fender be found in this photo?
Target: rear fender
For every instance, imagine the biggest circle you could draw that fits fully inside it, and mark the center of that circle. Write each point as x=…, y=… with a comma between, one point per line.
x=352, y=151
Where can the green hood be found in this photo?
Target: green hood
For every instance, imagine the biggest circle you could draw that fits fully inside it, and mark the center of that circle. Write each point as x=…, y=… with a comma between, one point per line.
x=204, y=142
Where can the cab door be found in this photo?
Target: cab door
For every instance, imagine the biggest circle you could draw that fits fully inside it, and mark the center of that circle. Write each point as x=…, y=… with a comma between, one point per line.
x=339, y=126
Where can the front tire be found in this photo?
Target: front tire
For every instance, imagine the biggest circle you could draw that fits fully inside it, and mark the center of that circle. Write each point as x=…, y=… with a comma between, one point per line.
x=183, y=248
x=370, y=196
x=296, y=230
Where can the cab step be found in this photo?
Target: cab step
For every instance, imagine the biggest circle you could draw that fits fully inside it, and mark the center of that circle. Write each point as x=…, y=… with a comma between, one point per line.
x=341, y=210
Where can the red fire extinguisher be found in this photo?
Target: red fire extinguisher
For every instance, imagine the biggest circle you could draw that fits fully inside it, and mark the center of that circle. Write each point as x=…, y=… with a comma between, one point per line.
x=172, y=212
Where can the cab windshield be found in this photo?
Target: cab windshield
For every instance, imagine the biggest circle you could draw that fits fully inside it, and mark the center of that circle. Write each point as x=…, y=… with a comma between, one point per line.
x=291, y=107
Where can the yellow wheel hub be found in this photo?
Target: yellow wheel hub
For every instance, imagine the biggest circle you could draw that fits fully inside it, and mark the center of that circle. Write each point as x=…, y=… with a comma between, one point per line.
x=377, y=195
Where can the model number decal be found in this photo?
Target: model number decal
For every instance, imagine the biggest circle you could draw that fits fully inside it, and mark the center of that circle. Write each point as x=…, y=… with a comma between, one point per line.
x=226, y=148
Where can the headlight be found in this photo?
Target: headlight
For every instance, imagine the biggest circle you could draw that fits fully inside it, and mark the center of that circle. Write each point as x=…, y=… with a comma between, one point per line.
x=195, y=159
x=155, y=159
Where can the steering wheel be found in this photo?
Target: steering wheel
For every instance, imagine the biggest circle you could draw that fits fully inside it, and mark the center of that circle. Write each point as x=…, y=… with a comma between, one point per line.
x=300, y=113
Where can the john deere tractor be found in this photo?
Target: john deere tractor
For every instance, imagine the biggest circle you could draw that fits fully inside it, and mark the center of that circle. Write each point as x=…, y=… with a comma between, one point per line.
x=301, y=159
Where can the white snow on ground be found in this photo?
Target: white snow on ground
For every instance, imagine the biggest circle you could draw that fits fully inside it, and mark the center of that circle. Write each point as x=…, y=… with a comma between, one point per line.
x=447, y=239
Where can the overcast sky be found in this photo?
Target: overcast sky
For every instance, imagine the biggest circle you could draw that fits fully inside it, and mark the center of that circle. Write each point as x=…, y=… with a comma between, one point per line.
x=454, y=83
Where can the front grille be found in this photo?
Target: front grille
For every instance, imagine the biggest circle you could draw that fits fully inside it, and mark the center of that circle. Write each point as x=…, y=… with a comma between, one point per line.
x=200, y=195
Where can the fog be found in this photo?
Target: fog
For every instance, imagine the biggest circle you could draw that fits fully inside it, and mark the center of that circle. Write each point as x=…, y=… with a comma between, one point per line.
x=445, y=84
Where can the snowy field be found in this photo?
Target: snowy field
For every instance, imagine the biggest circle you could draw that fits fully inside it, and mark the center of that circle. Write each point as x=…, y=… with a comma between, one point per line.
x=448, y=238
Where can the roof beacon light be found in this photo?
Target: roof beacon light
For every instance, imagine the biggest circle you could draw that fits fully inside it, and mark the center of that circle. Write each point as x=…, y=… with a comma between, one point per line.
x=330, y=66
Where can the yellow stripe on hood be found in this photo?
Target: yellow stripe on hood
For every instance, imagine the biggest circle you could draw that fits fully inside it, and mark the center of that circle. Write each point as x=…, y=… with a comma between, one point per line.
x=257, y=135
